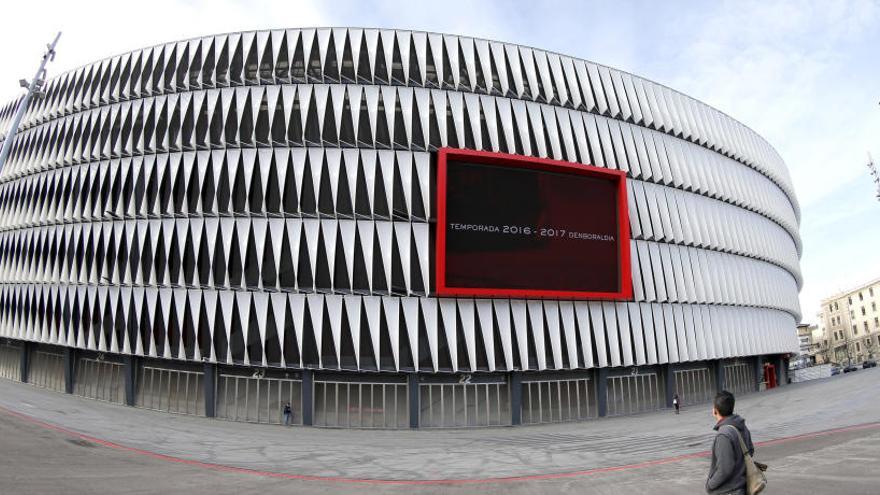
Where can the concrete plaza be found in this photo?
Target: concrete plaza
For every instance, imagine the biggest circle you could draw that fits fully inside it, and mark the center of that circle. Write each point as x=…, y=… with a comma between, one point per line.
x=819, y=436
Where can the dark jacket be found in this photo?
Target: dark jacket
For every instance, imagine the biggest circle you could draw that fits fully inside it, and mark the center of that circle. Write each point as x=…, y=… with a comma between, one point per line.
x=728, y=470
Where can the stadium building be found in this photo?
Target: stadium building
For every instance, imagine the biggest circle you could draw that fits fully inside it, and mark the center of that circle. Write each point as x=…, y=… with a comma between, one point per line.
x=389, y=229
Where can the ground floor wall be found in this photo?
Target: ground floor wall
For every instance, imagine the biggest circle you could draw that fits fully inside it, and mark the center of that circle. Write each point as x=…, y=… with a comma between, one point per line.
x=380, y=400
x=10, y=361
x=258, y=396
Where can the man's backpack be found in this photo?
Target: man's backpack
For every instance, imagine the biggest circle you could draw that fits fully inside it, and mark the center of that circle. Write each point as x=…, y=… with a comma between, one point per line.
x=755, y=479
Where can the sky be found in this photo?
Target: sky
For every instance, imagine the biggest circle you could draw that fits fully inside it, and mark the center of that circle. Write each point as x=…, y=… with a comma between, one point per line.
x=803, y=74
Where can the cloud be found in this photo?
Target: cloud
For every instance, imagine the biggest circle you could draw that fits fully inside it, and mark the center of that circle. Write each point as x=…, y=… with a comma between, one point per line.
x=791, y=71
x=842, y=247
x=93, y=30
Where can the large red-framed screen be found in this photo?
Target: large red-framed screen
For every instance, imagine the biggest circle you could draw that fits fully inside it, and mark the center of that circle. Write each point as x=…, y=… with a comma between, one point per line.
x=514, y=226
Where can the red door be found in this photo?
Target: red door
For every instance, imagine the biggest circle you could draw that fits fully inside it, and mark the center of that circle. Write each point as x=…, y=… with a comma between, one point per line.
x=770, y=375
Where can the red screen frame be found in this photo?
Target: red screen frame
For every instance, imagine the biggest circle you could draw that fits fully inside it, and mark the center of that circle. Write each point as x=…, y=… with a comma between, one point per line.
x=503, y=159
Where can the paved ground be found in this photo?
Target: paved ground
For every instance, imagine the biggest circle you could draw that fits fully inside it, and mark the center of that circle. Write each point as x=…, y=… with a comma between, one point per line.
x=52, y=443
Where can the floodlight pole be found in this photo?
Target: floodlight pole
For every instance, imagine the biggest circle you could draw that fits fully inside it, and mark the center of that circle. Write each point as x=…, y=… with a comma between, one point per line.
x=34, y=88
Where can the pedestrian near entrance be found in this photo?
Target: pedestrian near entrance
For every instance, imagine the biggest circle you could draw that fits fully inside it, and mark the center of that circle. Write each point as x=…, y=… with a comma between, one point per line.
x=287, y=414
x=727, y=472
x=675, y=403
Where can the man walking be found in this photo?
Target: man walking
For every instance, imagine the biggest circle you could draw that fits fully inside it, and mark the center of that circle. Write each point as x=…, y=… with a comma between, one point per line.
x=727, y=473
x=287, y=414
x=675, y=403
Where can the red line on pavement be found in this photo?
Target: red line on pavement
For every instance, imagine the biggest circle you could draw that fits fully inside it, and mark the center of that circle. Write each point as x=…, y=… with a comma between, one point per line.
x=463, y=481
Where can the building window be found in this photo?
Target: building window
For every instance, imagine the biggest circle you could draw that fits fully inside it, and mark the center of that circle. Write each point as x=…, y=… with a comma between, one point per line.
x=873, y=306
x=852, y=314
x=876, y=322
x=860, y=297
x=866, y=327
x=855, y=330
x=863, y=311
x=850, y=300
x=871, y=291
x=858, y=347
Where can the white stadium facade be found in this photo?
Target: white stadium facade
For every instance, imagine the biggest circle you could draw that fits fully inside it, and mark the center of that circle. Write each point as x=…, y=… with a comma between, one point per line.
x=389, y=229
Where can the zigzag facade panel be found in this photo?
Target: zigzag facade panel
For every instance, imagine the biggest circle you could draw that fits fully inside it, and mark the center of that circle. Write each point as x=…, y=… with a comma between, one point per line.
x=268, y=199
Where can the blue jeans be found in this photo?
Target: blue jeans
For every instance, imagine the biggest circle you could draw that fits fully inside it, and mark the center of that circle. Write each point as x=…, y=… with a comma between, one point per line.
x=286, y=419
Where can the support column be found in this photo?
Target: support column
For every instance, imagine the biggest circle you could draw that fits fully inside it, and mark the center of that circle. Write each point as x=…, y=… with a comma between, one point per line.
x=720, y=379
x=669, y=376
x=516, y=398
x=602, y=391
x=412, y=385
x=25, y=363
x=759, y=372
x=781, y=371
x=129, y=371
x=308, y=386
x=69, y=369
x=210, y=384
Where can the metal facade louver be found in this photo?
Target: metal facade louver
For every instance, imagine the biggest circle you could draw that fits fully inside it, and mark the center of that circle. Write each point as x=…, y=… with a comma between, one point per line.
x=265, y=198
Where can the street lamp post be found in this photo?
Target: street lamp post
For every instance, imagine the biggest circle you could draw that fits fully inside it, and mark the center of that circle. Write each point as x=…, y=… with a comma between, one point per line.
x=34, y=88
x=872, y=169
x=875, y=176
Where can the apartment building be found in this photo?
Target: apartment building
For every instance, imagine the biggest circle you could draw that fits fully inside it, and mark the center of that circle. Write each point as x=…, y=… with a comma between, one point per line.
x=851, y=320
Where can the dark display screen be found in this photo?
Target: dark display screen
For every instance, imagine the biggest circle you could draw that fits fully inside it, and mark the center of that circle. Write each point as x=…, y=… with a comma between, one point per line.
x=521, y=228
